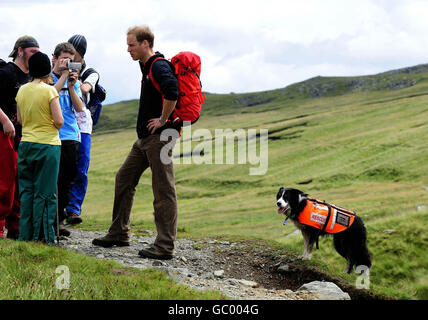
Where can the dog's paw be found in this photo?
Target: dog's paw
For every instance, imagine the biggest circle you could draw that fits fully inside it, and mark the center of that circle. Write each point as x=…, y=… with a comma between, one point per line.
x=305, y=257
x=347, y=270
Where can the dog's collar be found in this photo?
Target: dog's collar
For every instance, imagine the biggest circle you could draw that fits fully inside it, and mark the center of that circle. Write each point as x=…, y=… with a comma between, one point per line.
x=294, y=216
x=285, y=221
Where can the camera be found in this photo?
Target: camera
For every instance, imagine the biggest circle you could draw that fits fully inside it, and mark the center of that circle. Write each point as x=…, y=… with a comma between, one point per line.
x=74, y=66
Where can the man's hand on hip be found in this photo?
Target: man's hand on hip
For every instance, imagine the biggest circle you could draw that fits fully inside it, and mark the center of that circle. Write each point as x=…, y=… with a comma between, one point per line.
x=155, y=124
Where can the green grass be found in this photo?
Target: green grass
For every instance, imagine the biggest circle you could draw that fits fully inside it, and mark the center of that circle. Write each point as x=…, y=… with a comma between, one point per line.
x=31, y=271
x=364, y=149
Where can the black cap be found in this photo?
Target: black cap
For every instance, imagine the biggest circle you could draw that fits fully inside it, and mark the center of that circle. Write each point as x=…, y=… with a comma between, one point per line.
x=39, y=65
x=23, y=42
x=79, y=43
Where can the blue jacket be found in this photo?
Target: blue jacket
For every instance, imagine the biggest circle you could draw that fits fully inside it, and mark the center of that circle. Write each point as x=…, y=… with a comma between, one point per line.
x=70, y=129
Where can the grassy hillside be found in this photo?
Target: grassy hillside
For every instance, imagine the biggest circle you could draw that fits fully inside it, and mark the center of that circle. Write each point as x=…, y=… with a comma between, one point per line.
x=357, y=142
x=123, y=114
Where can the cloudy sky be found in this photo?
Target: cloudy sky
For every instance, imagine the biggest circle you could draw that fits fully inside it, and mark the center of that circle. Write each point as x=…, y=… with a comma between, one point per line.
x=245, y=45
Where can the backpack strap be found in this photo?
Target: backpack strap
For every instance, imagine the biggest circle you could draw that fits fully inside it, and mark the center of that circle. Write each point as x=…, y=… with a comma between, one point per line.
x=326, y=220
x=173, y=117
x=87, y=73
x=328, y=217
x=152, y=79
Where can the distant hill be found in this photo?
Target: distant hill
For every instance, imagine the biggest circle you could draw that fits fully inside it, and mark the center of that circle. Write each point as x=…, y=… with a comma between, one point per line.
x=123, y=114
x=331, y=86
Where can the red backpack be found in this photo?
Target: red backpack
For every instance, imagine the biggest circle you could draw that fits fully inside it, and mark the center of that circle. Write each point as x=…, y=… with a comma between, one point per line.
x=187, y=67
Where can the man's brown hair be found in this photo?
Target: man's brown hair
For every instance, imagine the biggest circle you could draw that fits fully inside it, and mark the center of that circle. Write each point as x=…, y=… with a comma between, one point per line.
x=142, y=33
x=64, y=47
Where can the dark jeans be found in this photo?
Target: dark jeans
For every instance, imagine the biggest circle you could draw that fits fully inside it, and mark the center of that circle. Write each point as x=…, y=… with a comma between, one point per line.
x=78, y=189
x=146, y=153
x=67, y=173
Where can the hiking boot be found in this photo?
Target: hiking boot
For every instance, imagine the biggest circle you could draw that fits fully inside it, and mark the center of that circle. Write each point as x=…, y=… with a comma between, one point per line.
x=109, y=241
x=153, y=253
x=63, y=231
x=73, y=219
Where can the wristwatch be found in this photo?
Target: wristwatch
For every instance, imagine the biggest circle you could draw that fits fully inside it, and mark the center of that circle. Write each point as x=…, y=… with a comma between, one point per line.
x=162, y=122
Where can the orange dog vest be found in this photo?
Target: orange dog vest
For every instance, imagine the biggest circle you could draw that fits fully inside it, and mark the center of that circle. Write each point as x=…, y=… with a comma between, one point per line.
x=326, y=217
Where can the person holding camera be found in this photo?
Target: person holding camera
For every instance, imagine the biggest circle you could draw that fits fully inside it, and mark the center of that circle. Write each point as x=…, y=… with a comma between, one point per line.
x=12, y=75
x=39, y=152
x=70, y=97
x=84, y=120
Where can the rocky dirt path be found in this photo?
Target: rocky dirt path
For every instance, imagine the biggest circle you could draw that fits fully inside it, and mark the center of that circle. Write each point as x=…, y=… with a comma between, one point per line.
x=239, y=270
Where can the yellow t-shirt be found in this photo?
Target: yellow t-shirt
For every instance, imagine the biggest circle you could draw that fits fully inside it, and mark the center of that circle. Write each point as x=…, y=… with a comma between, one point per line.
x=34, y=106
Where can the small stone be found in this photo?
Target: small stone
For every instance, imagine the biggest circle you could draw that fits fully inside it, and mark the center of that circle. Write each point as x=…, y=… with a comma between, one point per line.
x=183, y=259
x=100, y=256
x=233, y=282
x=150, y=232
x=165, y=270
x=421, y=207
x=283, y=268
x=207, y=275
x=178, y=272
x=219, y=273
x=158, y=263
x=388, y=231
x=248, y=283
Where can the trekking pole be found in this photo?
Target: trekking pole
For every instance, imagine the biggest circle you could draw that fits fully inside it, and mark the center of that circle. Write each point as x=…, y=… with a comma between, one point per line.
x=57, y=218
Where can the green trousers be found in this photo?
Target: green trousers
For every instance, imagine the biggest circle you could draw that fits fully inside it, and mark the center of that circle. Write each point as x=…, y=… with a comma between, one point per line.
x=38, y=166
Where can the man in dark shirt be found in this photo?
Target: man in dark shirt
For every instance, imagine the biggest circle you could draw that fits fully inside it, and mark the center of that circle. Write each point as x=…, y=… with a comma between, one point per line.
x=153, y=118
x=12, y=76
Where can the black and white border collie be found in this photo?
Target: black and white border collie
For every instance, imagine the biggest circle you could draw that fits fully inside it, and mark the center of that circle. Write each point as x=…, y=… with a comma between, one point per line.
x=350, y=244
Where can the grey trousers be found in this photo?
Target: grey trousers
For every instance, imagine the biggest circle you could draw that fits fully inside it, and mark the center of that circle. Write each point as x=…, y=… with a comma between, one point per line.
x=146, y=153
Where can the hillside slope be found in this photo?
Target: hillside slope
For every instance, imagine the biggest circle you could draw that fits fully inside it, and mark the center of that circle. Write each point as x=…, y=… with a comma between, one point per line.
x=360, y=144
x=123, y=114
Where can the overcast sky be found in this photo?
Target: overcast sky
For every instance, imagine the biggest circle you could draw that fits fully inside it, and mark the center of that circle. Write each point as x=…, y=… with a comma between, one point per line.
x=244, y=45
